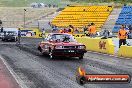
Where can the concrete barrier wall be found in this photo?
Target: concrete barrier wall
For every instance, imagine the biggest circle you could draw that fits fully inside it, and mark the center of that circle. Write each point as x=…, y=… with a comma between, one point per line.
x=125, y=51
x=97, y=44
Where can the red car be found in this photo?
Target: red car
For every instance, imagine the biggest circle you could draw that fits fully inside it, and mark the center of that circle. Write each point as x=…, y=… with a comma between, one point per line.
x=61, y=44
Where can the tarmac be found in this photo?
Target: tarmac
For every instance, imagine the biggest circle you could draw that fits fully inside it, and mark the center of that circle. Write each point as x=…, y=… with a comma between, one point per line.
x=33, y=70
x=6, y=78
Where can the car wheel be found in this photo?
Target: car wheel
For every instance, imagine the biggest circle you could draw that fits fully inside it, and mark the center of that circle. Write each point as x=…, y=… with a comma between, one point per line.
x=81, y=57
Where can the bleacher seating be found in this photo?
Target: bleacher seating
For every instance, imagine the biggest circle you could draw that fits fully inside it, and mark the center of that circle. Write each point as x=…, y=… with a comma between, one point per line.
x=79, y=16
x=125, y=18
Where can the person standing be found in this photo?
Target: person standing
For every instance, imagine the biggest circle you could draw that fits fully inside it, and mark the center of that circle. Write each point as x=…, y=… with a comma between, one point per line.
x=122, y=34
x=84, y=29
x=87, y=31
x=61, y=31
x=19, y=36
x=43, y=34
x=55, y=29
x=71, y=29
x=65, y=30
x=92, y=30
x=106, y=34
x=2, y=29
x=130, y=34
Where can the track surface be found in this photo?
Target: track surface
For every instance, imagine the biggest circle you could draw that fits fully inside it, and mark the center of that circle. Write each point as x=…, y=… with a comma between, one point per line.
x=37, y=71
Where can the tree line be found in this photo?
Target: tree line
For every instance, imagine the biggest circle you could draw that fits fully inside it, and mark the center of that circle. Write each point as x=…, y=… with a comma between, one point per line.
x=101, y=1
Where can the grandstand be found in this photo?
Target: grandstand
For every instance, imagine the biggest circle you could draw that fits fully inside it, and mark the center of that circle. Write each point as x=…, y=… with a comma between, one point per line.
x=125, y=18
x=79, y=16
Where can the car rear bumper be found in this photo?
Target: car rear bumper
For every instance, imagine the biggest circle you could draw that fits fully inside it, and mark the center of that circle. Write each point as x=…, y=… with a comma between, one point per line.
x=68, y=52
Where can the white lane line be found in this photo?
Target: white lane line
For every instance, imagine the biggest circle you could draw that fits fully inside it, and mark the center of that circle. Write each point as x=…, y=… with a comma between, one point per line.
x=16, y=77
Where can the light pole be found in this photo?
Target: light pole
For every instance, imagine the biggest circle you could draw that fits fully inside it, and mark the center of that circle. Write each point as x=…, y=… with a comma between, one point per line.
x=24, y=17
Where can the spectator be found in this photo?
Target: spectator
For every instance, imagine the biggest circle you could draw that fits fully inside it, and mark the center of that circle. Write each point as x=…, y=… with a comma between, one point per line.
x=43, y=34
x=4, y=33
x=85, y=29
x=46, y=6
x=76, y=30
x=68, y=5
x=71, y=29
x=19, y=35
x=92, y=30
x=61, y=31
x=39, y=5
x=55, y=29
x=80, y=30
x=106, y=33
x=130, y=27
x=53, y=6
x=108, y=10
x=65, y=30
x=2, y=29
x=130, y=34
x=122, y=34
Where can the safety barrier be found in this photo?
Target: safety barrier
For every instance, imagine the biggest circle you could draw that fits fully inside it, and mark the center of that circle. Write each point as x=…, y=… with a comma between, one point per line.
x=97, y=44
x=31, y=32
x=125, y=51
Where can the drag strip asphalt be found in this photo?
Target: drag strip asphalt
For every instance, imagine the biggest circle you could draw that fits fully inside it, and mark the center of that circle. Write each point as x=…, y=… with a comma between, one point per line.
x=37, y=71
